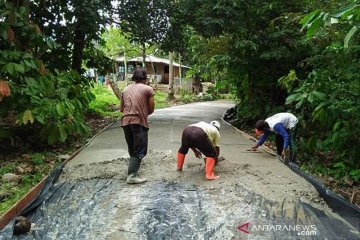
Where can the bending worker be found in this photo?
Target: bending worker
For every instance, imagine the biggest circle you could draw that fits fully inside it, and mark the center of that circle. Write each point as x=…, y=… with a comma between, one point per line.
x=202, y=138
x=284, y=125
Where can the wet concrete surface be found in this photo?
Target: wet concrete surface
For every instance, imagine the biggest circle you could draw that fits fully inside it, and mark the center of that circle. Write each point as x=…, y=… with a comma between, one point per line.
x=256, y=197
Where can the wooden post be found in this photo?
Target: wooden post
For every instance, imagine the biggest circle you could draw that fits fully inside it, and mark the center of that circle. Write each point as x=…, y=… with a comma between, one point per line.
x=180, y=72
x=171, y=95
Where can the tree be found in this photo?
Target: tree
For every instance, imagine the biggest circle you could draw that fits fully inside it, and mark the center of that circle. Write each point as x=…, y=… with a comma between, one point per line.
x=73, y=25
x=328, y=96
x=147, y=22
x=45, y=103
x=264, y=43
x=116, y=44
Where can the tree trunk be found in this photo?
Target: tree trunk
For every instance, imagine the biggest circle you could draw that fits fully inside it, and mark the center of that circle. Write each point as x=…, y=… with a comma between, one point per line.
x=144, y=57
x=115, y=88
x=180, y=72
x=171, y=95
x=79, y=44
x=25, y=4
x=125, y=71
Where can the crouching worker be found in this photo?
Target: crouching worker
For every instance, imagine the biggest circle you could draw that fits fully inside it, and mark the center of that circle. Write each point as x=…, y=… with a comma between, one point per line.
x=137, y=102
x=284, y=126
x=202, y=138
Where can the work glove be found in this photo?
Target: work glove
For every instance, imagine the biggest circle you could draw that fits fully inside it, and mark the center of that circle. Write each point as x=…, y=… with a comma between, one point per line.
x=253, y=148
x=197, y=153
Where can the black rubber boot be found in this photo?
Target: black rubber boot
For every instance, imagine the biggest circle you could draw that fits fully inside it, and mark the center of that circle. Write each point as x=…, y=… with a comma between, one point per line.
x=134, y=165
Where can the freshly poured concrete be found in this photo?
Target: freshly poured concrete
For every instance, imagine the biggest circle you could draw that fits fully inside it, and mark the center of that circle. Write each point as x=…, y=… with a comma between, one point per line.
x=258, y=171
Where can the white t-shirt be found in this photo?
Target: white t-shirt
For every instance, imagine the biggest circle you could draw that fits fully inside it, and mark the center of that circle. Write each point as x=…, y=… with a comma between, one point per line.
x=288, y=120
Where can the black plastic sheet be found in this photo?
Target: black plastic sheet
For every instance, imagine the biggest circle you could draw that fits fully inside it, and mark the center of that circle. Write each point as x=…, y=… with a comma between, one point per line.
x=111, y=209
x=340, y=205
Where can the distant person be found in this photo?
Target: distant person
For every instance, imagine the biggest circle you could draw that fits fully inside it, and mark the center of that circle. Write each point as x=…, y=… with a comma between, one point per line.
x=201, y=137
x=107, y=80
x=101, y=79
x=137, y=102
x=284, y=126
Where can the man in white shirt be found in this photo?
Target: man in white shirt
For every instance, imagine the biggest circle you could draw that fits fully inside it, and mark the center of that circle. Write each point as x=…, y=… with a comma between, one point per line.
x=284, y=126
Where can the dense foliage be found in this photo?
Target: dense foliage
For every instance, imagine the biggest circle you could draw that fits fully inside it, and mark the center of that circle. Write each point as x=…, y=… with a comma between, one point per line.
x=328, y=97
x=73, y=25
x=43, y=102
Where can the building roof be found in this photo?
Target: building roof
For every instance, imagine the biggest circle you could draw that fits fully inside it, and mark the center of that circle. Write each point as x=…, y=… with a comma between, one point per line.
x=151, y=59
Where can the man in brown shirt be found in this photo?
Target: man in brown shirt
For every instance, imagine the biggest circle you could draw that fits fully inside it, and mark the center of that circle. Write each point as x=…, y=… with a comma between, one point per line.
x=137, y=103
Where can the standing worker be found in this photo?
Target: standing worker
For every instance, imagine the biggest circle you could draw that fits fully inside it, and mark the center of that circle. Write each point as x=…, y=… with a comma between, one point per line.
x=203, y=138
x=137, y=103
x=284, y=125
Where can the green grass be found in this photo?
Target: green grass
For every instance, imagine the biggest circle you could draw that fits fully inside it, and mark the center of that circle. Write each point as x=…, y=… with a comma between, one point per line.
x=160, y=100
x=105, y=101
x=27, y=180
x=27, y=183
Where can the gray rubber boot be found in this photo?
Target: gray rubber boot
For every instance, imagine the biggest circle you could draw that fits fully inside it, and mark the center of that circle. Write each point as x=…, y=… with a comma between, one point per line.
x=134, y=165
x=133, y=179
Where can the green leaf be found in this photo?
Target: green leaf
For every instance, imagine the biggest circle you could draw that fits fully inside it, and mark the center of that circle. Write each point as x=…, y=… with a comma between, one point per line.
x=319, y=95
x=310, y=97
x=292, y=98
x=309, y=17
x=63, y=134
x=355, y=174
x=60, y=109
x=345, y=11
x=349, y=36
x=10, y=68
x=40, y=118
x=19, y=68
x=70, y=107
x=339, y=165
x=314, y=26
x=54, y=136
x=320, y=106
x=298, y=105
x=336, y=125
x=28, y=117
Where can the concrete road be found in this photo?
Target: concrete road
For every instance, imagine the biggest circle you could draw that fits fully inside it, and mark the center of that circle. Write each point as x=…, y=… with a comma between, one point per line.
x=256, y=197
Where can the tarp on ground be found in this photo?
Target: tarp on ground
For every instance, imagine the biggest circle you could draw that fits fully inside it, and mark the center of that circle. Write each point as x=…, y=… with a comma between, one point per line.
x=111, y=209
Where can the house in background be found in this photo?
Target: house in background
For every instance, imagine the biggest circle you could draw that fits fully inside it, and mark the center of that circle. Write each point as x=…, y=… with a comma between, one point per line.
x=157, y=68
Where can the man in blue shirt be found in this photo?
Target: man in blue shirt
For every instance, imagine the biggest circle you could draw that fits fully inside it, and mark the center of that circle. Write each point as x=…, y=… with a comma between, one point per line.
x=284, y=125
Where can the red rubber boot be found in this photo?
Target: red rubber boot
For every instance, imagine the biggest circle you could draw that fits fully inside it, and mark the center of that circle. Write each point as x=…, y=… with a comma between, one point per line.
x=209, y=169
x=180, y=161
